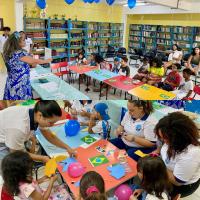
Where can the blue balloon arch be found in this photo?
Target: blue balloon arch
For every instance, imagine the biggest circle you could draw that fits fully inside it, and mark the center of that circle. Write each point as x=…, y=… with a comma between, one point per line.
x=42, y=3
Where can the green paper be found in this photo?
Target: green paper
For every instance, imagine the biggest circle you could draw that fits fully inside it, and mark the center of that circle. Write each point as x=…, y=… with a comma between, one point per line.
x=88, y=139
x=98, y=160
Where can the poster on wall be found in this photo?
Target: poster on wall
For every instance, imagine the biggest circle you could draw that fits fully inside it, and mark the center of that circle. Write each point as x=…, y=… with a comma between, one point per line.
x=1, y=24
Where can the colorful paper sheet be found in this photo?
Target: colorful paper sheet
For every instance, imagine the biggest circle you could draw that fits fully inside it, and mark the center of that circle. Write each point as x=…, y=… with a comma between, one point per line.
x=82, y=69
x=148, y=92
x=117, y=171
x=50, y=167
x=88, y=139
x=140, y=153
x=123, y=83
x=98, y=160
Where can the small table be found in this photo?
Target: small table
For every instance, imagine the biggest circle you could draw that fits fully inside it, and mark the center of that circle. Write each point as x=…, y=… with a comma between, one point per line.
x=83, y=157
x=122, y=83
x=148, y=92
x=82, y=69
x=55, y=88
x=101, y=75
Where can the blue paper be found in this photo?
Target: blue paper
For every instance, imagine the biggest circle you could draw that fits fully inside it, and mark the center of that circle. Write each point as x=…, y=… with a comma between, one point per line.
x=117, y=171
x=65, y=163
x=77, y=184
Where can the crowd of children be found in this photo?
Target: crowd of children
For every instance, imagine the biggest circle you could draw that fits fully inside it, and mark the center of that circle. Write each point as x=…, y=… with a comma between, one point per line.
x=171, y=145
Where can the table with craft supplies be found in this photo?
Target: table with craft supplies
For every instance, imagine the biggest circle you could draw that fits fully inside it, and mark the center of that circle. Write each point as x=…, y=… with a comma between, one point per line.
x=83, y=139
x=122, y=83
x=49, y=86
x=101, y=75
x=82, y=69
x=101, y=157
x=149, y=92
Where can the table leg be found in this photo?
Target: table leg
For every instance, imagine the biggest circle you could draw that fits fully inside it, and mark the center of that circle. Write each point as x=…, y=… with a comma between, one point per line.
x=125, y=95
x=100, y=90
x=87, y=89
x=107, y=92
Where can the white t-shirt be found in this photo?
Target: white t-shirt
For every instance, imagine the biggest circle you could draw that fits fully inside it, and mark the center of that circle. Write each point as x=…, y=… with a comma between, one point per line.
x=98, y=128
x=153, y=197
x=185, y=87
x=186, y=165
x=78, y=106
x=28, y=42
x=15, y=127
x=140, y=128
x=2, y=42
x=176, y=54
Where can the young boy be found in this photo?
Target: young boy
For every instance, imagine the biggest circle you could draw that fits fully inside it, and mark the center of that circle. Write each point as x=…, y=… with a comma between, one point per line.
x=124, y=69
x=4, y=37
x=186, y=88
x=173, y=79
x=116, y=66
x=99, y=121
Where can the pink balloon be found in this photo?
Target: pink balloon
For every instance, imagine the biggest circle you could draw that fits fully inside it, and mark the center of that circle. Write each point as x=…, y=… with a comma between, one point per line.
x=75, y=170
x=123, y=192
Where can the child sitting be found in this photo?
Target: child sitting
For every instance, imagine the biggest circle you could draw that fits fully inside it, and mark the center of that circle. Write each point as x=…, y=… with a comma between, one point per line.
x=17, y=169
x=173, y=79
x=155, y=72
x=92, y=59
x=186, y=88
x=124, y=69
x=154, y=179
x=143, y=70
x=92, y=187
x=81, y=60
x=101, y=63
x=116, y=66
x=99, y=121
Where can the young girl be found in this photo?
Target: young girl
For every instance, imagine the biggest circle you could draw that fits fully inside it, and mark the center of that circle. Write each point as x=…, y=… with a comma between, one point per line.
x=101, y=63
x=155, y=72
x=81, y=60
x=143, y=69
x=116, y=65
x=92, y=187
x=17, y=168
x=92, y=59
x=154, y=179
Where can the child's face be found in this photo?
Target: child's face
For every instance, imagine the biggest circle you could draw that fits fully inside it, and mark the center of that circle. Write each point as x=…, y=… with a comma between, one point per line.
x=6, y=33
x=197, y=51
x=22, y=35
x=123, y=63
x=174, y=48
x=80, y=56
x=185, y=75
x=46, y=122
x=116, y=62
x=174, y=68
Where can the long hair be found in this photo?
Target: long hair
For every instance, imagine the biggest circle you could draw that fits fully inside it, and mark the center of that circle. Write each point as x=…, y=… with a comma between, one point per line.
x=193, y=51
x=155, y=179
x=16, y=168
x=90, y=179
x=179, y=130
x=11, y=46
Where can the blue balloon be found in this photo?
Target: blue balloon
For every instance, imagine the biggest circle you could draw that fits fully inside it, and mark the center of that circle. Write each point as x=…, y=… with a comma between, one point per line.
x=131, y=3
x=110, y=2
x=69, y=1
x=85, y=1
x=72, y=127
x=97, y=1
x=90, y=1
x=41, y=4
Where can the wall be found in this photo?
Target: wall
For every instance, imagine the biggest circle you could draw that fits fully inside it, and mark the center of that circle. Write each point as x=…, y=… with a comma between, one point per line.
x=88, y=12
x=7, y=12
x=165, y=19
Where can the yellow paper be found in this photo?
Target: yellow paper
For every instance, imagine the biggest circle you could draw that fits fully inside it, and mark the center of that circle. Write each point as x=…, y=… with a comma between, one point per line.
x=60, y=158
x=140, y=153
x=84, y=130
x=50, y=167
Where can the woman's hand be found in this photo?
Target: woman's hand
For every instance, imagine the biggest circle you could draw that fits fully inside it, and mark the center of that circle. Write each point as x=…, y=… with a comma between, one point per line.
x=72, y=152
x=129, y=138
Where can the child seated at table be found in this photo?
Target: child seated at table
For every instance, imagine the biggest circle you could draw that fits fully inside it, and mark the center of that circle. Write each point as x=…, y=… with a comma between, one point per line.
x=99, y=121
x=92, y=60
x=155, y=72
x=81, y=59
x=173, y=79
x=116, y=65
x=124, y=70
x=17, y=169
x=154, y=179
x=92, y=187
x=143, y=69
x=82, y=109
x=101, y=63
x=185, y=89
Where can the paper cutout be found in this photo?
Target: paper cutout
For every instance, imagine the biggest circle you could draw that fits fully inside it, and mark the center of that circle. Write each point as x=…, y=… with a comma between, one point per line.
x=50, y=167
x=117, y=171
x=85, y=129
x=65, y=163
x=98, y=160
x=88, y=139
x=60, y=158
x=77, y=184
x=110, y=152
x=140, y=153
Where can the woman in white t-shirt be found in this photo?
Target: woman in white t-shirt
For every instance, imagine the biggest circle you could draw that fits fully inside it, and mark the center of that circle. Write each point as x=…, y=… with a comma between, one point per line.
x=180, y=152
x=28, y=42
x=174, y=57
x=154, y=185
x=82, y=109
x=136, y=132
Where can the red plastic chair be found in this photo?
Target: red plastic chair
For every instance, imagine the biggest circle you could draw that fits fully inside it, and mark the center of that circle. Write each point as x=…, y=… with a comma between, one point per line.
x=110, y=65
x=56, y=67
x=196, y=91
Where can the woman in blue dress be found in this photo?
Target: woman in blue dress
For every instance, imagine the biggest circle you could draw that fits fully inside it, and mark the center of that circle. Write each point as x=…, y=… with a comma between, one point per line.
x=18, y=61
